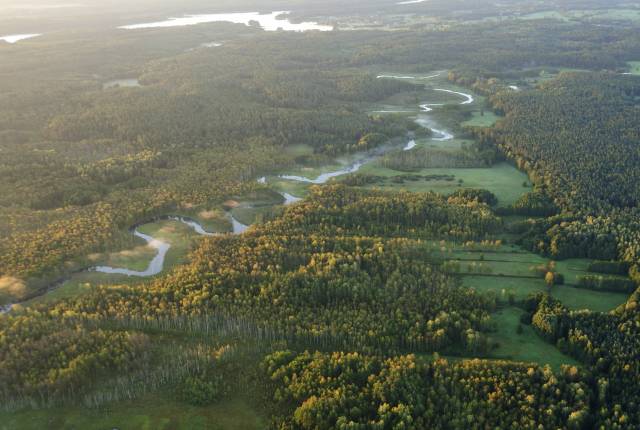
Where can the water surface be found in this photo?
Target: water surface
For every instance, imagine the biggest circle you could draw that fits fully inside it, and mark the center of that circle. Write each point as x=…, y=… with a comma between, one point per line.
x=325, y=177
x=121, y=83
x=155, y=266
x=269, y=22
x=15, y=38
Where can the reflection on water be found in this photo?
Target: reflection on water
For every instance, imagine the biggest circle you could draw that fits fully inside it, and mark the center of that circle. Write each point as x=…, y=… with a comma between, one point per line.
x=15, y=38
x=268, y=22
x=197, y=227
x=289, y=199
x=324, y=178
x=238, y=227
x=410, y=145
x=121, y=83
x=469, y=97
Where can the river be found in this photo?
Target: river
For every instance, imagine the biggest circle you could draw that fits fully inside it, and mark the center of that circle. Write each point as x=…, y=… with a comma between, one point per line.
x=156, y=266
x=364, y=158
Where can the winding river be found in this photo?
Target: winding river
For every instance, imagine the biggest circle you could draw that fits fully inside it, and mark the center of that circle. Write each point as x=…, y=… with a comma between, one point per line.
x=362, y=159
x=156, y=266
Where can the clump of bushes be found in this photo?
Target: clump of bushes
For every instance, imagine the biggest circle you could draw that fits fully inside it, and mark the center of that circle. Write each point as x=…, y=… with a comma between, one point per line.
x=535, y=204
x=202, y=389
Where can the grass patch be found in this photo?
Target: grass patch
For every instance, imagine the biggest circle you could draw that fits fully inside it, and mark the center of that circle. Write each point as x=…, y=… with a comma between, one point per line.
x=251, y=215
x=634, y=67
x=478, y=119
x=599, y=301
x=573, y=298
x=180, y=236
x=502, y=179
x=298, y=150
x=510, y=275
x=155, y=412
x=213, y=220
x=526, y=346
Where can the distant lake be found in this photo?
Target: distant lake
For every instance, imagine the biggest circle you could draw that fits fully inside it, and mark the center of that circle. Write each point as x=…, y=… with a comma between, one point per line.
x=121, y=83
x=14, y=38
x=268, y=22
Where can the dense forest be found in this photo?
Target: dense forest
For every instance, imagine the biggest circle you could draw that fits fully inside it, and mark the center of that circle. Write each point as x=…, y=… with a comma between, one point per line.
x=134, y=152
x=342, y=310
x=577, y=137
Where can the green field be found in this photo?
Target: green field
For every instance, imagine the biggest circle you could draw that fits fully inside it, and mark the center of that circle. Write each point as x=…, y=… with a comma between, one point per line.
x=634, y=67
x=526, y=346
x=571, y=297
x=503, y=179
x=153, y=412
x=479, y=120
x=507, y=272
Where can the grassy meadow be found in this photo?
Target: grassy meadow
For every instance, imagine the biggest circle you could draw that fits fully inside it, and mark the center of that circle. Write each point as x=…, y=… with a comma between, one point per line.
x=151, y=412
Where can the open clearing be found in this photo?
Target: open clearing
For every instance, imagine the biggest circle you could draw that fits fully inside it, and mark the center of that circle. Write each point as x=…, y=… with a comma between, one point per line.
x=502, y=179
x=526, y=346
x=634, y=67
x=573, y=298
x=506, y=271
x=155, y=412
x=480, y=119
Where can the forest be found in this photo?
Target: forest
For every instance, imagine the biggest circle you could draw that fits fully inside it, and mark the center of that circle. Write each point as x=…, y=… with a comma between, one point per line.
x=372, y=300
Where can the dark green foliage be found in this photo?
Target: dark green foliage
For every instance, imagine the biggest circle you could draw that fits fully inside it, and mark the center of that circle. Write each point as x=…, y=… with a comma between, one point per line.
x=603, y=283
x=45, y=356
x=348, y=390
x=201, y=390
x=471, y=194
x=577, y=136
x=535, y=204
x=424, y=158
x=610, y=267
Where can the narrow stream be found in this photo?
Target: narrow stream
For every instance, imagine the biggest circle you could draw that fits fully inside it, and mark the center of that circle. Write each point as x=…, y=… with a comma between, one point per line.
x=156, y=265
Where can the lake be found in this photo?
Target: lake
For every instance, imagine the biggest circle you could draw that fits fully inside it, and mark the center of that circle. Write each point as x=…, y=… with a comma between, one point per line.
x=269, y=22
